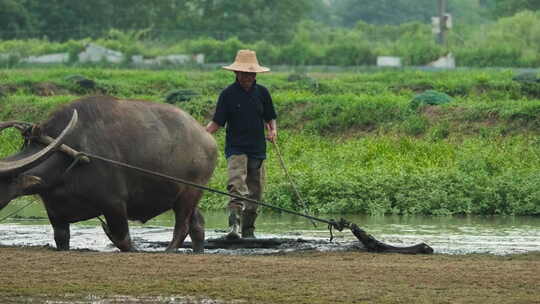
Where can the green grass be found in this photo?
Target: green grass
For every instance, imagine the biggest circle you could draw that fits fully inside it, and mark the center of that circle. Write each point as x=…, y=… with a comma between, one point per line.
x=353, y=142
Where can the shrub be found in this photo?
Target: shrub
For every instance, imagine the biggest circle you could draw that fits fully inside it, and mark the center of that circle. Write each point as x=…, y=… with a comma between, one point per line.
x=415, y=125
x=429, y=97
x=180, y=96
x=350, y=49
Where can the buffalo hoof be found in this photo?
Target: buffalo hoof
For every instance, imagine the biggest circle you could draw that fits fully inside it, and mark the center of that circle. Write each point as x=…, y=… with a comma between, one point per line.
x=198, y=249
x=171, y=250
x=130, y=249
x=233, y=235
x=125, y=245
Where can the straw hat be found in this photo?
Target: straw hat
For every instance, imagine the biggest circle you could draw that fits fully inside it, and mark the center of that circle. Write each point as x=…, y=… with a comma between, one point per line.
x=246, y=61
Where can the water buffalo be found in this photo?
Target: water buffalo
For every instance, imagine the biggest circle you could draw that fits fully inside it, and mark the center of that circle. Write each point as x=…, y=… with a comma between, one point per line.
x=149, y=135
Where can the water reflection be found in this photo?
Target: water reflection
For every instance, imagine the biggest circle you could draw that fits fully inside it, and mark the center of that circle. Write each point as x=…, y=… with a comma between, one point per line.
x=452, y=235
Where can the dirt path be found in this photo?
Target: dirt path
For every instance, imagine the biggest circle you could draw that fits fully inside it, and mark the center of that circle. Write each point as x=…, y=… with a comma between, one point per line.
x=310, y=277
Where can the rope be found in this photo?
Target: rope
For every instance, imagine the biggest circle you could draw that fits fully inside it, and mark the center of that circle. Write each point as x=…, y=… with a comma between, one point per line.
x=78, y=157
x=331, y=223
x=198, y=186
x=282, y=163
x=369, y=241
x=16, y=211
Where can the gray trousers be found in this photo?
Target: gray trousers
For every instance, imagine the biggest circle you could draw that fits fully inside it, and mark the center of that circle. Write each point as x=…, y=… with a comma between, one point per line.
x=246, y=178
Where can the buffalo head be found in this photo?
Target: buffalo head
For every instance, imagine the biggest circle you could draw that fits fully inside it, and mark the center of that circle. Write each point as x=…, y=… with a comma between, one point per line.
x=13, y=180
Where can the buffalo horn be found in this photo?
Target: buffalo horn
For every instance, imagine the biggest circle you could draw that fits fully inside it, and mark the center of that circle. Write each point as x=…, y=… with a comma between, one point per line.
x=11, y=168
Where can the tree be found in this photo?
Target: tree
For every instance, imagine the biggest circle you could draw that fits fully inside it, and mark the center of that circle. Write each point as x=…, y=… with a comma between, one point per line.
x=384, y=11
x=394, y=12
x=503, y=8
x=66, y=19
x=14, y=20
x=323, y=12
x=249, y=20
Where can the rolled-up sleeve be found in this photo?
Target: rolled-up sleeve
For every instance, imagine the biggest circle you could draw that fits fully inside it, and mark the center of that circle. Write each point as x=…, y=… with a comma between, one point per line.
x=220, y=116
x=269, y=111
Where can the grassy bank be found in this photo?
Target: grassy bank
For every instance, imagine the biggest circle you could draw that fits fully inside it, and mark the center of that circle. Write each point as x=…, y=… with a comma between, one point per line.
x=351, y=277
x=353, y=141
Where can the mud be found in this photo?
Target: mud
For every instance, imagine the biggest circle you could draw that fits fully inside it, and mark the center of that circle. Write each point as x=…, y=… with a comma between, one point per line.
x=120, y=300
x=155, y=239
x=47, y=89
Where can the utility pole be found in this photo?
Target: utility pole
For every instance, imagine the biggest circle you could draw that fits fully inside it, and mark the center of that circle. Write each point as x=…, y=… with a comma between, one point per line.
x=443, y=6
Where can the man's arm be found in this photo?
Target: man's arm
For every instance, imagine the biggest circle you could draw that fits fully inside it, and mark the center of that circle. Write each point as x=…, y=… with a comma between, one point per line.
x=271, y=127
x=212, y=127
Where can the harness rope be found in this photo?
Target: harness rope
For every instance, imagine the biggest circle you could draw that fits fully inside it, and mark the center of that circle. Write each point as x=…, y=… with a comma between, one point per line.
x=15, y=212
x=331, y=223
x=282, y=163
x=367, y=240
x=195, y=185
x=81, y=155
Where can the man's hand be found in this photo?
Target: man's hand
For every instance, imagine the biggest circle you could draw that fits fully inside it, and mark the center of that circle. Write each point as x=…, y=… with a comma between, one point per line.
x=212, y=127
x=271, y=128
x=272, y=135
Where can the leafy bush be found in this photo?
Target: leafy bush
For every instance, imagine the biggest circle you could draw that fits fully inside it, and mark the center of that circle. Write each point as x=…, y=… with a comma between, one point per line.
x=318, y=44
x=415, y=125
x=430, y=97
x=180, y=96
x=350, y=49
x=520, y=48
x=499, y=55
x=526, y=77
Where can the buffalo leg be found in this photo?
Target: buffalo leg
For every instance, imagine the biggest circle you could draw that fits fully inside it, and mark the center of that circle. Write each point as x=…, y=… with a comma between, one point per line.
x=60, y=228
x=119, y=230
x=196, y=231
x=61, y=235
x=184, y=210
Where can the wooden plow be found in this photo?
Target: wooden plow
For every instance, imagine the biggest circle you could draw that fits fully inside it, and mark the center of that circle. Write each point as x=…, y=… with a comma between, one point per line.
x=368, y=241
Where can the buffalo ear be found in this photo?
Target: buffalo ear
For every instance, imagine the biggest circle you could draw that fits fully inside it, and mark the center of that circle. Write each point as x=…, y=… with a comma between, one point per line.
x=35, y=131
x=29, y=184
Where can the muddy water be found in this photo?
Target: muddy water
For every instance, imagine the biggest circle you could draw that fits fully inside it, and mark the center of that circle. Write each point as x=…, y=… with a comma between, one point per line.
x=451, y=235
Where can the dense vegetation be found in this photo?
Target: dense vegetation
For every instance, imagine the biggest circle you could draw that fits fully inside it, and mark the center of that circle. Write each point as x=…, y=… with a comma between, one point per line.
x=383, y=142
x=343, y=33
x=250, y=20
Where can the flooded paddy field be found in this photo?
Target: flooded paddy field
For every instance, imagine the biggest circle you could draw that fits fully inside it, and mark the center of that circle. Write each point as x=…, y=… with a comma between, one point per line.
x=447, y=235
x=314, y=271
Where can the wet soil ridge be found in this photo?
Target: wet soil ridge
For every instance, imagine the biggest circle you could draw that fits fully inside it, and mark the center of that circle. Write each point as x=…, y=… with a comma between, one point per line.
x=368, y=243
x=373, y=245
x=249, y=243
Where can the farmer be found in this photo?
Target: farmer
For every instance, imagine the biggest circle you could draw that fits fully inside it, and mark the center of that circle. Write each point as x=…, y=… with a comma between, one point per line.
x=246, y=109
